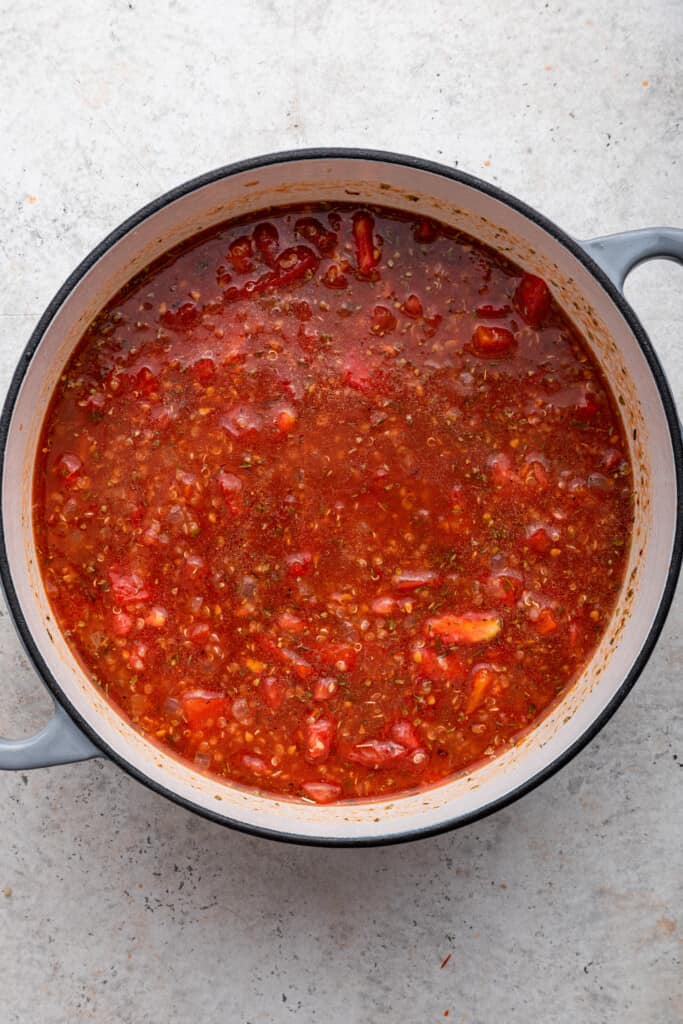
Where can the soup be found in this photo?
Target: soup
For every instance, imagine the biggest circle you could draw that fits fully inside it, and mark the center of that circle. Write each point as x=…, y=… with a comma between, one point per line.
x=333, y=502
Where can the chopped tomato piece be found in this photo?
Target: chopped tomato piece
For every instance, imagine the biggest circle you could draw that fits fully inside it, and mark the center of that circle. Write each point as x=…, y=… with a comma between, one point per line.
x=181, y=317
x=440, y=668
x=295, y=661
x=505, y=586
x=383, y=605
x=319, y=739
x=532, y=299
x=470, y=628
x=128, y=588
x=273, y=692
x=367, y=255
x=325, y=688
x=404, y=733
x=546, y=621
x=285, y=419
x=198, y=634
x=322, y=792
x=538, y=539
x=255, y=764
x=502, y=471
x=231, y=489
x=376, y=753
x=334, y=278
x=534, y=474
x=69, y=468
x=241, y=421
x=492, y=341
x=331, y=653
x=203, y=706
x=203, y=370
x=291, y=623
x=317, y=234
x=490, y=312
x=383, y=321
x=425, y=231
x=121, y=623
x=156, y=617
x=240, y=255
x=412, y=306
x=299, y=564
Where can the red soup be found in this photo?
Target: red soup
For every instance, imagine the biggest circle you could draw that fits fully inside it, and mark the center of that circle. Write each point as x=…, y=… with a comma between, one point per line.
x=333, y=502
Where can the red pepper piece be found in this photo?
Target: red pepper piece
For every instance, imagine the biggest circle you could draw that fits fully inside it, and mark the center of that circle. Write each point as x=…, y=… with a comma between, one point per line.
x=470, y=628
x=266, y=240
x=408, y=581
x=366, y=254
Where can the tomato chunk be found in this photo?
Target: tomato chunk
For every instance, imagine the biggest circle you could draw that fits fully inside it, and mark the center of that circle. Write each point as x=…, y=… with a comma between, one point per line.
x=325, y=688
x=492, y=341
x=505, y=586
x=128, y=588
x=532, y=299
x=273, y=692
x=322, y=792
x=404, y=734
x=470, y=628
x=203, y=706
x=69, y=468
x=319, y=739
x=376, y=753
x=231, y=489
x=440, y=668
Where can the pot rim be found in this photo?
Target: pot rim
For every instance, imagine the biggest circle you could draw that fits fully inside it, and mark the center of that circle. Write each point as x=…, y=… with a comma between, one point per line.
x=574, y=247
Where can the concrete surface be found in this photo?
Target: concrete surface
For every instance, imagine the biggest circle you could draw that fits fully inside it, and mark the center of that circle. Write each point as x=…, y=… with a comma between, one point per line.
x=119, y=907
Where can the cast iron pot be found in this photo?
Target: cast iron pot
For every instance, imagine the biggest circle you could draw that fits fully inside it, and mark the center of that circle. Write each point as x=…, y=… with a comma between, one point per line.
x=586, y=278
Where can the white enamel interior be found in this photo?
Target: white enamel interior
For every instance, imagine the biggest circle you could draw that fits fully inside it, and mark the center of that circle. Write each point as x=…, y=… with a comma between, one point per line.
x=616, y=348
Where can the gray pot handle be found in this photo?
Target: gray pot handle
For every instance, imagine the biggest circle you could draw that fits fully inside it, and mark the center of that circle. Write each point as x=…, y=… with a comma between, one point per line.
x=619, y=254
x=60, y=742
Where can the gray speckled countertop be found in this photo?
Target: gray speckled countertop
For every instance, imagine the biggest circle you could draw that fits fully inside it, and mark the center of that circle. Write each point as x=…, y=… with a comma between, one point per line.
x=120, y=908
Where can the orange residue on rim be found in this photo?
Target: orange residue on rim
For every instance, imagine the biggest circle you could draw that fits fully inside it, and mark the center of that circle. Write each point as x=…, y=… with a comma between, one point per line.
x=31, y=200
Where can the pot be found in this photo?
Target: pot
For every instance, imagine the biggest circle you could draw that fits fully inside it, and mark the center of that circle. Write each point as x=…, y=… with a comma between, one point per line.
x=586, y=278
